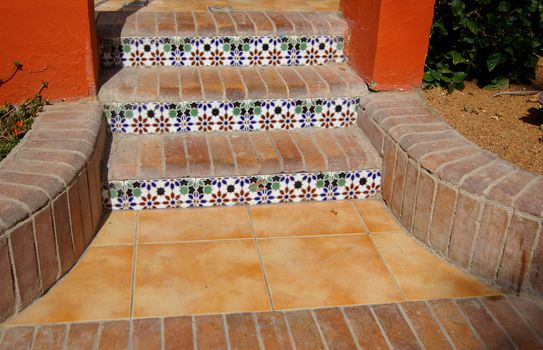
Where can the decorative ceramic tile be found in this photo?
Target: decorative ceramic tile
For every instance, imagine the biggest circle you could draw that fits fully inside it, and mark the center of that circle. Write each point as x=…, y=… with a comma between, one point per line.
x=234, y=190
x=147, y=118
x=218, y=51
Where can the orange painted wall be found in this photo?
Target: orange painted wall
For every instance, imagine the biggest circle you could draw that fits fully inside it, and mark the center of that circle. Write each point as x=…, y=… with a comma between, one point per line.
x=55, y=41
x=389, y=40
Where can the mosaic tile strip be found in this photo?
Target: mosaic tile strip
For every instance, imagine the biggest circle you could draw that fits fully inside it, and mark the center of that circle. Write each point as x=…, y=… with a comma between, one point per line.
x=147, y=118
x=250, y=190
x=218, y=51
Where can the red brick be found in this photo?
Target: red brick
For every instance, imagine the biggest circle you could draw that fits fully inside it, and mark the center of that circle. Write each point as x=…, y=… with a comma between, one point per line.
x=510, y=186
x=301, y=25
x=7, y=286
x=198, y=156
x=273, y=330
x=124, y=158
x=433, y=161
x=26, y=263
x=225, y=24
x=221, y=154
x=178, y=333
x=411, y=140
x=424, y=324
x=456, y=325
x=409, y=195
x=292, y=159
x=337, y=25
x=125, y=84
x=17, y=338
x=45, y=242
x=536, y=273
x=377, y=105
x=442, y=217
x=463, y=229
x=244, y=25
x=63, y=233
x=531, y=312
x=151, y=157
x=455, y=171
x=389, y=161
x=175, y=158
x=420, y=150
x=268, y=158
x=348, y=140
x=65, y=152
x=531, y=200
x=242, y=331
x=234, y=87
x=313, y=158
x=93, y=174
x=275, y=86
x=166, y=24
x=365, y=328
x=146, y=334
x=211, y=334
x=387, y=112
x=205, y=25
x=169, y=85
x=146, y=24
x=510, y=321
x=320, y=25
x=296, y=86
x=245, y=156
x=82, y=336
x=109, y=24
x=395, y=327
x=371, y=130
x=59, y=171
x=264, y=25
x=335, y=157
x=356, y=84
x=128, y=26
x=147, y=85
x=338, y=87
x=84, y=195
x=479, y=180
x=398, y=182
x=334, y=329
x=185, y=24
x=191, y=89
x=31, y=197
x=423, y=206
x=49, y=337
x=304, y=330
x=282, y=24
x=397, y=125
x=48, y=184
x=316, y=86
x=211, y=83
x=518, y=249
x=114, y=335
x=76, y=220
x=256, y=88
x=484, y=325
x=489, y=242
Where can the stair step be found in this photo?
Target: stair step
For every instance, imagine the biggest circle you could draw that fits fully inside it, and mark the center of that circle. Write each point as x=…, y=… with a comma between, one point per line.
x=171, y=99
x=170, y=170
x=236, y=38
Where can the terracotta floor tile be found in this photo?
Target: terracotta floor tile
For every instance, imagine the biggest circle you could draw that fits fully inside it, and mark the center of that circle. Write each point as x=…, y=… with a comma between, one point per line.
x=119, y=228
x=270, y=5
x=194, y=278
x=193, y=224
x=305, y=219
x=98, y=288
x=421, y=275
x=326, y=271
x=376, y=217
x=324, y=5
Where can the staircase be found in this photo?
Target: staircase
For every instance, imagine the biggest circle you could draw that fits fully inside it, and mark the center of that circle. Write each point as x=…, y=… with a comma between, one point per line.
x=226, y=108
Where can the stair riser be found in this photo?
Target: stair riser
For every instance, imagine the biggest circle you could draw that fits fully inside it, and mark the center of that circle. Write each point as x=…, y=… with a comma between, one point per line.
x=240, y=190
x=219, y=51
x=147, y=118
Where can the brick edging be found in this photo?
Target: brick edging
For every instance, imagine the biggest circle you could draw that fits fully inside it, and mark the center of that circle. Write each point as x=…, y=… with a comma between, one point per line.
x=50, y=205
x=478, y=211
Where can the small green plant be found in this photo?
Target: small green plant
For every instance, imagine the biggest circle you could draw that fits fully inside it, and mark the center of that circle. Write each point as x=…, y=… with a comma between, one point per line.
x=15, y=121
x=493, y=41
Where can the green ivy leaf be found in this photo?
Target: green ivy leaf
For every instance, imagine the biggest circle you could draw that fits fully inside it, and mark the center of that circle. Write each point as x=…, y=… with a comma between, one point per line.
x=493, y=61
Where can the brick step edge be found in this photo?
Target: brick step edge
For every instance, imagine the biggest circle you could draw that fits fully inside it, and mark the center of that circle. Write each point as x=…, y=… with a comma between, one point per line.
x=241, y=190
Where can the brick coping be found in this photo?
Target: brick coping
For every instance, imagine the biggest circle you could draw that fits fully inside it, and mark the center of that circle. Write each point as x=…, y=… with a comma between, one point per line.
x=50, y=204
x=486, y=322
x=479, y=212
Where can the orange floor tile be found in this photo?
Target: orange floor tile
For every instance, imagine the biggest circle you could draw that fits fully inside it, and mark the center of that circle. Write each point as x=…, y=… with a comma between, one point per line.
x=238, y=259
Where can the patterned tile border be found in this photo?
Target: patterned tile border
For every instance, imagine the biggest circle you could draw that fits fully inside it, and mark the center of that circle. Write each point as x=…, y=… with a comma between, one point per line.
x=234, y=190
x=217, y=51
x=147, y=118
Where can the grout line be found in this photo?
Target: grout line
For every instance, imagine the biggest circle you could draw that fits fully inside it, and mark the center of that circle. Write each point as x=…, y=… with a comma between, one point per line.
x=194, y=332
x=468, y=321
x=289, y=331
x=350, y=327
x=439, y=324
x=410, y=325
x=360, y=217
x=226, y=332
x=262, y=268
x=380, y=326
x=162, y=337
x=134, y=260
x=258, y=332
x=66, y=334
x=319, y=329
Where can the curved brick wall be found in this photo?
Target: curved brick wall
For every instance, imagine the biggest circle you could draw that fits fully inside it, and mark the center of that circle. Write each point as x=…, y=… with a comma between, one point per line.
x=50, y=204
x=478, y=211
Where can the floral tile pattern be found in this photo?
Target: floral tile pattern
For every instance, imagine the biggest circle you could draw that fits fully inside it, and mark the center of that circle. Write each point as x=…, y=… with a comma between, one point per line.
x=222, y=50
x=146, y=118
x=234, y=190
